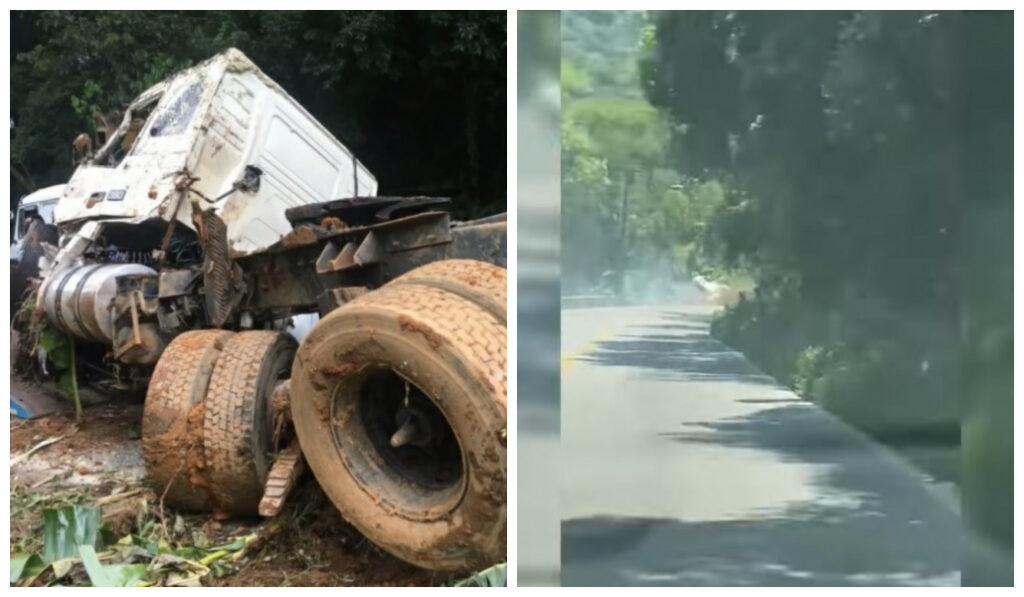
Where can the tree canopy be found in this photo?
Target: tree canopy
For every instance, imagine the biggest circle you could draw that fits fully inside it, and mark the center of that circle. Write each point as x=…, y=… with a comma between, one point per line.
x=624, y=203
x=873, y=154
x=419, y=96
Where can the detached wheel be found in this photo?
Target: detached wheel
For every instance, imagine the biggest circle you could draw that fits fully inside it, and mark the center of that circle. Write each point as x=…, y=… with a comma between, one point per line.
x=172, y=421
x=481, y=283
x=398, y=399
x=238, y=426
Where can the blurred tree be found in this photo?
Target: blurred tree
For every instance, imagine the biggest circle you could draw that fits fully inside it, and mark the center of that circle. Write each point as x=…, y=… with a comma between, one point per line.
x=875, y=149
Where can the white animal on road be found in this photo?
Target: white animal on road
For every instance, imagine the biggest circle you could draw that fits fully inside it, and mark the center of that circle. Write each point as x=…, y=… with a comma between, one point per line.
x=716, y=292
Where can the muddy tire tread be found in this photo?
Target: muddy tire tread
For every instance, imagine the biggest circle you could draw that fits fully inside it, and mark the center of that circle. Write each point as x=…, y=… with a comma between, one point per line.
x=462, y=323
x=235, y=482
x=473, y=344
x=179, y=382
x=476, y=277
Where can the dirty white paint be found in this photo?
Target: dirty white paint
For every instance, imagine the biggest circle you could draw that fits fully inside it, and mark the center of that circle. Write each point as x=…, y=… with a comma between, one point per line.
x=211, y=121
x=40, y=203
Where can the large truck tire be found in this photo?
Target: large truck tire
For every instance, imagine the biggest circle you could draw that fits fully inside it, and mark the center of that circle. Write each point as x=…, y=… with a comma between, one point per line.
x=482, y=283
x=410, y=356
x=238, y=425
x=172, y=421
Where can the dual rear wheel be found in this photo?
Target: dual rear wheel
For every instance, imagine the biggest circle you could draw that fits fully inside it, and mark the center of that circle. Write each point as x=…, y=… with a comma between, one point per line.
x=398, y=400
x=206, y=427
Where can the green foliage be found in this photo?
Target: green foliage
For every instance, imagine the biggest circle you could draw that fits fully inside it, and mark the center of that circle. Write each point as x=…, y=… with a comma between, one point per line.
x=375, y=79
x=628, y=132
x=112, y=575
x=604, y=44
x=867, y=156
x=889, y=380
x=26, y=566
x=620, y=202
x=575, y=81
x=73, y=534
x=65, y=529
x=59, y=349
x=627, y=210
x=808, y=368
x=57, y=345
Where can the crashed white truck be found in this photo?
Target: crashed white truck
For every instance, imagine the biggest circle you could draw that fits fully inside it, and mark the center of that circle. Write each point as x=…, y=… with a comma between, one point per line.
x=218, y=214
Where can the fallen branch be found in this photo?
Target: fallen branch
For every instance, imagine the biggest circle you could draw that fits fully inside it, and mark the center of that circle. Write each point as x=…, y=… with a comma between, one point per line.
x=36, y=448
x=74, y=384
x=110, y=499
x=163, y=520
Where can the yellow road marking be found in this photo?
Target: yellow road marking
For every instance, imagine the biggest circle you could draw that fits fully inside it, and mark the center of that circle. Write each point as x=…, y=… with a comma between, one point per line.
x=568, y=361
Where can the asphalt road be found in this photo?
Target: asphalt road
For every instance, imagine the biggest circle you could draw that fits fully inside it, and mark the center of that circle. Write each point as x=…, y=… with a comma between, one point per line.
x=682, y=464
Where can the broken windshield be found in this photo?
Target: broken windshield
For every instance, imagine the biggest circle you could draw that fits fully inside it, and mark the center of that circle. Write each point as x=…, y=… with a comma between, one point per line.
x=178, y=114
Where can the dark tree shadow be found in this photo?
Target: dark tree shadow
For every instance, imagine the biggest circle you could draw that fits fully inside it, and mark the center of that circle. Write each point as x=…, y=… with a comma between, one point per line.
x=876, y=526
x=875, y=523
x=682, y=357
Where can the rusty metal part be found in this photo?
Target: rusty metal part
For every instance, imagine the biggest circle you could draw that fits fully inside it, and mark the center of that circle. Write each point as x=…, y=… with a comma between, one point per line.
x=368, y=252
x=281, y=479
x=280, y=399
x=333, y=223
x=137, y=341
x=364, y=211
x=280, y=408
x=138, y=338
x=141, y=344
x=173, y=223
x=336, y=297
x=484, y=241
x=295, y=278
x=300, y=235
x=222, y=287
x=332, y=260
x=414, y=429
x=176, y=282
x=405, y=434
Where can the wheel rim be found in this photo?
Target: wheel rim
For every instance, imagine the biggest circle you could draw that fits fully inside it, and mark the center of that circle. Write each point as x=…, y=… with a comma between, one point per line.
x=397, y=443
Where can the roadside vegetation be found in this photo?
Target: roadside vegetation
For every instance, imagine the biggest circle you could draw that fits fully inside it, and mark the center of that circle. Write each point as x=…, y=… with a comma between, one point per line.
x=633, y=222
x=851, y=173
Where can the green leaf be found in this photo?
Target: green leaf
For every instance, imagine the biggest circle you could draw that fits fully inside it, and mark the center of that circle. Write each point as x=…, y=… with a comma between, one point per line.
x=188, y=552
x=64, y=529
x=233, y=546
x=97, y=575
x=26, y=566
x=116, y=575
x=108, y=536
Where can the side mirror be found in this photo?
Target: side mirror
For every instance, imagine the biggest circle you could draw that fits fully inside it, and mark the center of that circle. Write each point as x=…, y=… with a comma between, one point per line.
x=250, y=181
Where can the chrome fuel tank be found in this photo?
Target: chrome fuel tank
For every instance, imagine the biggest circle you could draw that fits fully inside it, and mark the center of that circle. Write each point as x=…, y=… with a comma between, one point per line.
x=78, y=300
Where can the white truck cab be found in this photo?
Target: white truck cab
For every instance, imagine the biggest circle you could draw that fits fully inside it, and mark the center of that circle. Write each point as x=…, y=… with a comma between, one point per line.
x=193, y=138
x=39, y=204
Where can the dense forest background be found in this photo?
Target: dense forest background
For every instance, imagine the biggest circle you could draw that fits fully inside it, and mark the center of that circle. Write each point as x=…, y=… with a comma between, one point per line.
x=634, y=220
x=855, y=170
x=418, y=96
